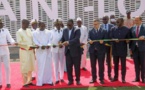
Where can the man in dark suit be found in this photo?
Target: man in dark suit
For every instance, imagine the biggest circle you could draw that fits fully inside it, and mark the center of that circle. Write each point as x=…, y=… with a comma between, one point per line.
x=97, y=50
x=119, y=48
x=71, y=40
x=138, y=49
x=107, y=27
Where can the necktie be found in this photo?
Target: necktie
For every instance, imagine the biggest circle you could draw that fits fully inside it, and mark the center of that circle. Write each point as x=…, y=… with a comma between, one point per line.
x=106, y=26
x=69, y=34
x=137, y=31
x=97, y=31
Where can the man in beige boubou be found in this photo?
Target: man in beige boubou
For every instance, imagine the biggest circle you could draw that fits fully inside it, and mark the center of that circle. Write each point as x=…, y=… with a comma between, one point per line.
x=25, y=41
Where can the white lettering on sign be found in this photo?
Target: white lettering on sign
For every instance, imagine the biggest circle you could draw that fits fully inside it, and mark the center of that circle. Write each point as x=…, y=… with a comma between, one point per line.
x=7, y=10
x=101, y=11
x=52, y=12
x=138, y=12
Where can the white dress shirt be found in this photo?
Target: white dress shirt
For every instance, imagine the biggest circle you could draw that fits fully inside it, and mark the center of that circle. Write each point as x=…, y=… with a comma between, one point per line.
x=105, y=27
x=138, y=32
x=4, y=38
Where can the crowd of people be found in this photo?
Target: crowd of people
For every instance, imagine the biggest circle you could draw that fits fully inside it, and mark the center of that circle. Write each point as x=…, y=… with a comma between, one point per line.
x=65, y=47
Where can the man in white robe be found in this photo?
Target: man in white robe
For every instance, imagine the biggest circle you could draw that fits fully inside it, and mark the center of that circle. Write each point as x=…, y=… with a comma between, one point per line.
x=42, y=39
x=63, y=27
x=58, y=52
x=83, y=41
x=34, y=25
x=4, y=53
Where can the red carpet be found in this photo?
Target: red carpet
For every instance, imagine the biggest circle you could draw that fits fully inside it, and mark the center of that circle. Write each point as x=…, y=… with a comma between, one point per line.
x=16, y=80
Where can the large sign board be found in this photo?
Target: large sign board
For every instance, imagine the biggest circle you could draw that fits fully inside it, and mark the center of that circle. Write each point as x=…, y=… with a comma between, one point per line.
x=52, y=12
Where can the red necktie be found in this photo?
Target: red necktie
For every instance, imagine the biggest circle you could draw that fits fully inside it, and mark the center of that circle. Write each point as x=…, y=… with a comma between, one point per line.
x=137, y=31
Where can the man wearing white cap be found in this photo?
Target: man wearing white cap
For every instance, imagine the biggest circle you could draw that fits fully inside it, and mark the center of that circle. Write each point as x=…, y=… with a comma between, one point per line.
x=34, y=25
x=58, y=52
x=83, y=41
x=4, y=53
x=63, y=27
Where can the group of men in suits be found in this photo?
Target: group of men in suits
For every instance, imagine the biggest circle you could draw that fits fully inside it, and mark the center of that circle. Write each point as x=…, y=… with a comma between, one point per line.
x=69, y=45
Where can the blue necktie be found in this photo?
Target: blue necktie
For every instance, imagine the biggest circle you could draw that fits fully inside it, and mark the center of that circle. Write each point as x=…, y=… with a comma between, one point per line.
x=106, y=27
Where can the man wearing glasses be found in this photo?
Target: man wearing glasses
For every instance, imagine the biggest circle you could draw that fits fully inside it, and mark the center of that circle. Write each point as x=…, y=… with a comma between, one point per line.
x=97, y=50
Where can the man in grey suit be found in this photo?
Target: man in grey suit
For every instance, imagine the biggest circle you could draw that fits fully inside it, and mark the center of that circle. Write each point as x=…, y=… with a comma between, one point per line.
x=106, y=26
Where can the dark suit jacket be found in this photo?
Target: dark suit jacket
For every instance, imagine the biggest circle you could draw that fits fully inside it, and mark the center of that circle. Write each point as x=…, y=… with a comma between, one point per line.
x=141, y=44
x=120, y=48
x=74, y=41
x=110, y=26
x=93, y=35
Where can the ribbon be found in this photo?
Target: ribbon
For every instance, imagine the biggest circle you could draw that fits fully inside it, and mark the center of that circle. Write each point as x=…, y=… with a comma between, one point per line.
x=106, y=40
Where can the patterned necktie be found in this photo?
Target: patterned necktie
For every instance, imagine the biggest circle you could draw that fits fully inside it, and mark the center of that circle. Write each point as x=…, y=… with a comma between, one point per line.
x=137, y=31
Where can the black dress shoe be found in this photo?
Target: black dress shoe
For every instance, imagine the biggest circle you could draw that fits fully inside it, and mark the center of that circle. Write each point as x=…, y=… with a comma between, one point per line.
x=31, y=84
x=123, y=81
x=8, y=85
x=51, y=84
x=110, y=78
x=57, y=82
x=78, y=83
x=26, y=85
x=136, y=80
x=0, y=86
x=61, y=80
x=102, y=82
x=114, y=79
x=143, y=81
x=92, y=81
x=70, y=83
x=84, y=69
x=33, y=78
